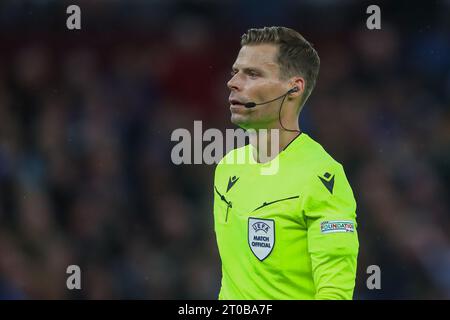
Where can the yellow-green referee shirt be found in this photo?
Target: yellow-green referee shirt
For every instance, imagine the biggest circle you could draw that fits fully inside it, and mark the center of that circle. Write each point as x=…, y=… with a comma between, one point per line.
x=288, y=235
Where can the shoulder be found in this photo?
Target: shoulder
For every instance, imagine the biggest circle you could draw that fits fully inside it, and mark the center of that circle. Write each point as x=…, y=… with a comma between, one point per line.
x=234, y=155
x=318, y=159
x=231, y=159
x=325, y=178
x=327, y=189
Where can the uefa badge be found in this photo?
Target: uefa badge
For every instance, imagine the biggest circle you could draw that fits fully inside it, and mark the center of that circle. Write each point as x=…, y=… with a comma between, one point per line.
x=261, y=237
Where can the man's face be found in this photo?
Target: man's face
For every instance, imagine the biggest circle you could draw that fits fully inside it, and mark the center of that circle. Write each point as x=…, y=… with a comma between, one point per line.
x=256, y=78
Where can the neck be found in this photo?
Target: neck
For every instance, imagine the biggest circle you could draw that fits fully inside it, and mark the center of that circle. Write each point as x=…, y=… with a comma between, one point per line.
x=269, y=143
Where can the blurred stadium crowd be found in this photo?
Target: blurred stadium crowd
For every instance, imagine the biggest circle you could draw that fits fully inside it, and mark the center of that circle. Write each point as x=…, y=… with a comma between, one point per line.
x=85, y=124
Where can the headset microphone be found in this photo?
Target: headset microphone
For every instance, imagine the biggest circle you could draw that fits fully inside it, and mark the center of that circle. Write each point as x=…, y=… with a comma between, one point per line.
x=254, y=104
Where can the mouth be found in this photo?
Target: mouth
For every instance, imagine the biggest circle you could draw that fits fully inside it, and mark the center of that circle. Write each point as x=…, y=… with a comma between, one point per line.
x=236, y=103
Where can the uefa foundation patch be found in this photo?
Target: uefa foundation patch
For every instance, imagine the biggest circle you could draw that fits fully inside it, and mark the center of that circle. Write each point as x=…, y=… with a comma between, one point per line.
x=337, y=226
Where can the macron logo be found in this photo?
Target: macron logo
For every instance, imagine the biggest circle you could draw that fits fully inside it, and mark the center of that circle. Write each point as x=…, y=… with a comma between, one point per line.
x=231, y=182
x=328, y=181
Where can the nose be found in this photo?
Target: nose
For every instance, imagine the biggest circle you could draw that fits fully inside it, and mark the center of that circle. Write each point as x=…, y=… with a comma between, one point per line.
x=233, y=83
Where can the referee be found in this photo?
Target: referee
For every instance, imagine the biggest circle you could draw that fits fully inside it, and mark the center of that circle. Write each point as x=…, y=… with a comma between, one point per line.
x=289, y=235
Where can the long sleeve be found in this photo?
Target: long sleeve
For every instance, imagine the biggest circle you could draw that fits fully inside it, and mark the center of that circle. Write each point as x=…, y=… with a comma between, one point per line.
x=330, y=215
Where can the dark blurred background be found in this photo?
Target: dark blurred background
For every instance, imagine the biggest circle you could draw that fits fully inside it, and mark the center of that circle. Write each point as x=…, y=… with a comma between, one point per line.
x=86, y=117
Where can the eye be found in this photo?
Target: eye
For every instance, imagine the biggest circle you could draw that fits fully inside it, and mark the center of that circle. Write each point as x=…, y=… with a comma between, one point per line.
x=233, y=72
x=253, y=74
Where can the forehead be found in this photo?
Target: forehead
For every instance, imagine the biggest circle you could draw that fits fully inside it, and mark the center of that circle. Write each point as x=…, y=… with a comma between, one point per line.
x=258, y=56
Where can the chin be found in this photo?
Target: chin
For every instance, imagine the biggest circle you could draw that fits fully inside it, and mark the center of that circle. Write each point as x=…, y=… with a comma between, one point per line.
x=240, y=121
